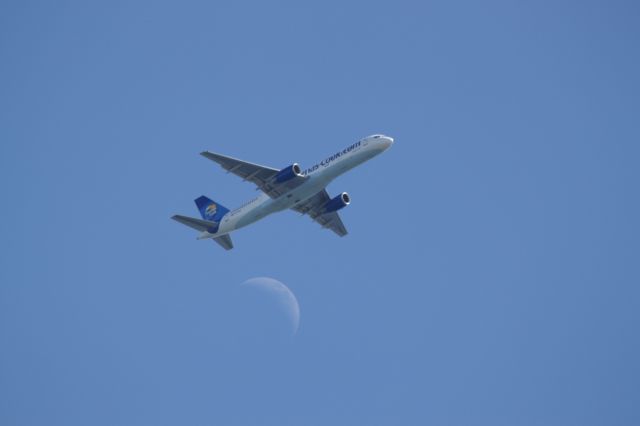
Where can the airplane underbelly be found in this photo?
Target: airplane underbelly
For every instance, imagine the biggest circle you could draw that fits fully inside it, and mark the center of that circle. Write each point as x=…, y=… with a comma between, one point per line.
x=302, y=194
x=256, y=214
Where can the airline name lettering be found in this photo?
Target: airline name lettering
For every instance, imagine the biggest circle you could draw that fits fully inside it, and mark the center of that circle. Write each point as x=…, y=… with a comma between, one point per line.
x=334, y=157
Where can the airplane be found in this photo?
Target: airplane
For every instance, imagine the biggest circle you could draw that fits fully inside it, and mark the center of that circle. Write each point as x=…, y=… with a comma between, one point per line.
x=289, y=188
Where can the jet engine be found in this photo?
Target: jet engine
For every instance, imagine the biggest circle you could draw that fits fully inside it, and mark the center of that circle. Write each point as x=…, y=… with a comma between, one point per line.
x=288, y=173
x=338, y=202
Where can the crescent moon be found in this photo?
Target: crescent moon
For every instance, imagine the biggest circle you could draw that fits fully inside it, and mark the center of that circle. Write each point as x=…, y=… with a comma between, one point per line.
x=283, y=294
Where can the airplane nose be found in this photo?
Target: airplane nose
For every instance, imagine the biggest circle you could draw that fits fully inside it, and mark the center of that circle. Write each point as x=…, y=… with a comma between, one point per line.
x=380, y=142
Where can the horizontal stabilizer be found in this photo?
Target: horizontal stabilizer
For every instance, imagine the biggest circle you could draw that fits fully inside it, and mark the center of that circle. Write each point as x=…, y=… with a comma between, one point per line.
x=224, y=241
x=197, y=224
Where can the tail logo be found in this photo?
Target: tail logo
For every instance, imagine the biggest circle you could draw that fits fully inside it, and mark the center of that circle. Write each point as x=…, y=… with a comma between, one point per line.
x=211, y=210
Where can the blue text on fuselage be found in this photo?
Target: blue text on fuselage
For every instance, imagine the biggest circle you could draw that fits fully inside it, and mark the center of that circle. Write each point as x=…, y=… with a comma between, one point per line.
x=334, y=157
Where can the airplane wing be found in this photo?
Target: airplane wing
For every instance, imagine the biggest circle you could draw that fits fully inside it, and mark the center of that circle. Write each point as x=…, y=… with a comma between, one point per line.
x=314, y=207
x=261, y=176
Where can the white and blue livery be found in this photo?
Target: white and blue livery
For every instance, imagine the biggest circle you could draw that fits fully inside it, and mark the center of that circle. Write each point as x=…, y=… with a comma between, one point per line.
x=290, y=188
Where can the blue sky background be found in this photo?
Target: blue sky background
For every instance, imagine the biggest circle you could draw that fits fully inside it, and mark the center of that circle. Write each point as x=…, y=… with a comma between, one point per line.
x=491, y=272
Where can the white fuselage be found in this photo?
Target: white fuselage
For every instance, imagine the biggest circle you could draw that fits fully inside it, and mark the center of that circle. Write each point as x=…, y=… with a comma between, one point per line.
x=319, y=176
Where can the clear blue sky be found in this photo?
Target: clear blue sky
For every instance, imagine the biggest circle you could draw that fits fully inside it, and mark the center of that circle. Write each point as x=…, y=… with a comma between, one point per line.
x=491, y=274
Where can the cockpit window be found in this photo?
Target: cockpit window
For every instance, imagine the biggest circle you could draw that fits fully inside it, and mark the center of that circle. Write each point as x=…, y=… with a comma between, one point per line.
x=376, y=137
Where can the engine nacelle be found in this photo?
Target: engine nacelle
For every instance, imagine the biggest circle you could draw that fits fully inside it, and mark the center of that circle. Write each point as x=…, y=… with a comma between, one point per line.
x=337, y=203
x=288, y=173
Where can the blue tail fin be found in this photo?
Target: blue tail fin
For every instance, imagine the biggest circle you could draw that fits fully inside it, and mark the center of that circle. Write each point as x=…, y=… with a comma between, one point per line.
x=210, y=210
